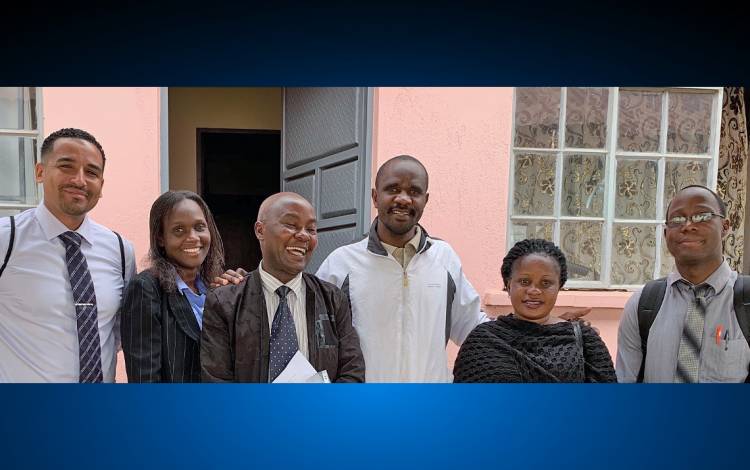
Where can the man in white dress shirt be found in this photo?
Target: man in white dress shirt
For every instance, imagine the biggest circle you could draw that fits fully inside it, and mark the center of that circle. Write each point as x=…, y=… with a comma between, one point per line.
x=60, y=289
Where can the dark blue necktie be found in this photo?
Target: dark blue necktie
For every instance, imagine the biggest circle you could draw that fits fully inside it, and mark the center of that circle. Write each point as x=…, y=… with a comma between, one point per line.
x=84, y=297
x=284, y=343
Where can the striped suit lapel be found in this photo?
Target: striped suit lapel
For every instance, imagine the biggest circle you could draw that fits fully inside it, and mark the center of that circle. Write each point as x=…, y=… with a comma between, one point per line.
x=184, y=316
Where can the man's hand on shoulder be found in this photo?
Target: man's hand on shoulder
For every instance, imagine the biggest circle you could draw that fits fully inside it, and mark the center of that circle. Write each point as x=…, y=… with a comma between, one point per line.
x=578, y=313
x=230, y=276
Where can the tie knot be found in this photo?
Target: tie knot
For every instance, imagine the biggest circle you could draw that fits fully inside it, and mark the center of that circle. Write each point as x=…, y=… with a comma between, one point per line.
x=701, y=291
x=70, y=238
x=282, y=292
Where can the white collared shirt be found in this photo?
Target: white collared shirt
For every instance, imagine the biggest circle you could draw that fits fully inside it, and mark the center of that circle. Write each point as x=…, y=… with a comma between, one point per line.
x=38, y=329
x=295, y=299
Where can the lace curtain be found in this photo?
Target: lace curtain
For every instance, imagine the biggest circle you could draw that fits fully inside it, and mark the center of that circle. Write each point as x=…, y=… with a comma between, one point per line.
x=647, y=142
x=731, y=171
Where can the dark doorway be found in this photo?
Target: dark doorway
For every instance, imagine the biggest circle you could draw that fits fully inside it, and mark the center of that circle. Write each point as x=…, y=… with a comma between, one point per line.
x=237, y=170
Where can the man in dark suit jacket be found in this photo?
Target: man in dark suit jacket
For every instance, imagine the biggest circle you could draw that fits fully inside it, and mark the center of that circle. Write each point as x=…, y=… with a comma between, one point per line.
x=251, y=330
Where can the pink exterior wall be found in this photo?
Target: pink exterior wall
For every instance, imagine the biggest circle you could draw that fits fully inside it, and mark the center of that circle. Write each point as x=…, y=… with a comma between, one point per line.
x=126, y=122
x=463, y=136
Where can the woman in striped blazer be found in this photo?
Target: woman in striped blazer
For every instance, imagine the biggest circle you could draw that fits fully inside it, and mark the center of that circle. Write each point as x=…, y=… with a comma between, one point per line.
x=162, y=312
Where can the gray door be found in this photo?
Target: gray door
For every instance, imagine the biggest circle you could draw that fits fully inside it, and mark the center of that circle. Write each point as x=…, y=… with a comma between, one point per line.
x=326, y=157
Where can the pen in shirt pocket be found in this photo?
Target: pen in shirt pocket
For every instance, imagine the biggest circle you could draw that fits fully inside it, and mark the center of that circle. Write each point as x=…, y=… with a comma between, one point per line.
x=717, y=335
x=726, y=340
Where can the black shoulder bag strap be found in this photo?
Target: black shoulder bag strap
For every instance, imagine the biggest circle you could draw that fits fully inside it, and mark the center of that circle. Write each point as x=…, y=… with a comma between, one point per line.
x=579, y=344
x=742, y=307
x=649, y=305
x=579, y=336
x=122, y=255
x=10, y=244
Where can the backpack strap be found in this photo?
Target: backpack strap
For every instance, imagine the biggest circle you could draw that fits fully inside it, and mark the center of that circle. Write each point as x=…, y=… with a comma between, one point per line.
x=742, y=307
x=10, y=244
x=122, y=255
x=649, y=305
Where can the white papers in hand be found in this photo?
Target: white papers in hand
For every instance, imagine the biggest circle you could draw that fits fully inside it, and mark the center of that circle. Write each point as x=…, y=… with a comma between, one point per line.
x=299, y=370
x=319, y=378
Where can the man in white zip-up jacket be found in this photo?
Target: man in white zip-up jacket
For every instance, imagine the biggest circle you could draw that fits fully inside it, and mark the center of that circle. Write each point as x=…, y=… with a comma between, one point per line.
x=408, y=292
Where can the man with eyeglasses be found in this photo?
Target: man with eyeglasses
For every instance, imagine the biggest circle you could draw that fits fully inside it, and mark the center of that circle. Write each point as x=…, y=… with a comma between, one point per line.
x=693, y=334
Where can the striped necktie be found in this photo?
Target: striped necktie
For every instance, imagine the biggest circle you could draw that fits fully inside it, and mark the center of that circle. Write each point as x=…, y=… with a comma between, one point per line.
x=284, y=344
x=688, y=356
x=84, y=297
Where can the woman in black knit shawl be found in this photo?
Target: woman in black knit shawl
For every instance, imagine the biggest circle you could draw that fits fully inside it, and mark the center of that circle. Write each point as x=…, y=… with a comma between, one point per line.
x=530, y=345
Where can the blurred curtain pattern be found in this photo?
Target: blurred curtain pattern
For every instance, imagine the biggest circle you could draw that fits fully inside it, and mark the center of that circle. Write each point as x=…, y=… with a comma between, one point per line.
x=732, y=173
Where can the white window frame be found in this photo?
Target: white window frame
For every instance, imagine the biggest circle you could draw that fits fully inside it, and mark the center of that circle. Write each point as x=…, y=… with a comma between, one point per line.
x=611, y=154
x=35, y=191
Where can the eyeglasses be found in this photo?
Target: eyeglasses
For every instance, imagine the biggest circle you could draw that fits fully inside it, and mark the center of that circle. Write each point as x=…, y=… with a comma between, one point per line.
x=680, y=220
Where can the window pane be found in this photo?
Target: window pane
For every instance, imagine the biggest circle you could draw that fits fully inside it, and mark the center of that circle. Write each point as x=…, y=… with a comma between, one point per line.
x=534, y=192
x=636, y=189
x=537, y=117
x=582, y=244
x=689, y=126
x=522, y=230
x=17, y=108
x=583, y=185
x=17, y=168
x=681, y=173
x=639, y=121
x=586, y=117
x=633, y=253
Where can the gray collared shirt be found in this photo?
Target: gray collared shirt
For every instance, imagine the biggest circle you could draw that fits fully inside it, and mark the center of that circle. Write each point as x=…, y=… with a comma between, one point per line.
x=720, y=361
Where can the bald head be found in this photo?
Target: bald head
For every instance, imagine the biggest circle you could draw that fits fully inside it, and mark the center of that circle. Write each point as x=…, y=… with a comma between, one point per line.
x=274, y=204
x=287, y=231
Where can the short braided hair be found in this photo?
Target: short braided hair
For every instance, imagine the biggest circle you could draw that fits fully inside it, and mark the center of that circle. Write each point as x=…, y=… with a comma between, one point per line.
x=533, y=246
x=70, y=133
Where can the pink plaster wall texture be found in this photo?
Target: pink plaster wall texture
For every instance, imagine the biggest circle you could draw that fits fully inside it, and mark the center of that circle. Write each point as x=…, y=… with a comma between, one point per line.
x=462, y=136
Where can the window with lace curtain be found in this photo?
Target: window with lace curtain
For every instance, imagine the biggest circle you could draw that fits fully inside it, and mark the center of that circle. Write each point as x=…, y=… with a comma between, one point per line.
x=593, y=169
x=19, y=141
